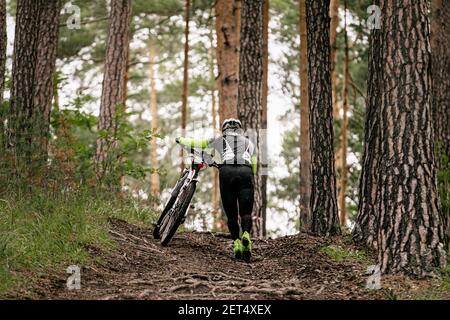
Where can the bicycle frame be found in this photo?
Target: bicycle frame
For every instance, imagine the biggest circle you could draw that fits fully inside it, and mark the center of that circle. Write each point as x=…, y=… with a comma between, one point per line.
x=188, y=179
x=199, y=160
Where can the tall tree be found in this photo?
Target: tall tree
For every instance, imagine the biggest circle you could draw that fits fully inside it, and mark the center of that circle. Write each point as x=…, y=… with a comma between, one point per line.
x=250, y=85
x=217, y=213
x=264, y=96
x=440, y=69
x=3, y=42
x=323, y=203
x=440, y=48
x=113, y=91
x=344, y=131
x=228, y=15
x=35, y=45
x=184, y=94
x=125, y=98
x=399, y=209
x=305, y=146
x=154, y=178
x=334, y=22
x=46, y=59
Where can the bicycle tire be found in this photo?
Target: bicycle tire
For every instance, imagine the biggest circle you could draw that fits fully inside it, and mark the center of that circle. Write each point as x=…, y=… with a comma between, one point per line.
x=178, y=213
x=169, y=204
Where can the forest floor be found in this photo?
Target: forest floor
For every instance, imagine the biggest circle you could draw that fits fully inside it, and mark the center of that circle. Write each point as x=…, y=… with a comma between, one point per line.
x=200, y=266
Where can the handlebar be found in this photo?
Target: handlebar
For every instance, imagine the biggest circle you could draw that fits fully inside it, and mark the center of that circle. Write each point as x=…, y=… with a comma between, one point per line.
x=201, y=154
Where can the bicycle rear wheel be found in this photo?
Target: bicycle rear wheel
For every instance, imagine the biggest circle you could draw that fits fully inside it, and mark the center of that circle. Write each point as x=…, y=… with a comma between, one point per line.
x=173, y=218
x=169, y=204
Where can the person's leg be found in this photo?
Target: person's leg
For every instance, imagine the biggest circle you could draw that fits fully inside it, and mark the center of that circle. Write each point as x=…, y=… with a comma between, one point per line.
x=228, y=194
x=246, y=198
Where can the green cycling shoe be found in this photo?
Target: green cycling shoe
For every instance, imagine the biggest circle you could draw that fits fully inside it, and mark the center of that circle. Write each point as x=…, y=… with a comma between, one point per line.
x=246, y=246
x=237, y=249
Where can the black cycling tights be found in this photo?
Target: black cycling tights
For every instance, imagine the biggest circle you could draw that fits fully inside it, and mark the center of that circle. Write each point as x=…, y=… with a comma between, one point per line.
x=237, y=192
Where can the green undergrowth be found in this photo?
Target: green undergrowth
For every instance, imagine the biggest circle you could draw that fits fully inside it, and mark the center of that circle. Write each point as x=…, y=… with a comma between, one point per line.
x=341, y=254
x=42, y=231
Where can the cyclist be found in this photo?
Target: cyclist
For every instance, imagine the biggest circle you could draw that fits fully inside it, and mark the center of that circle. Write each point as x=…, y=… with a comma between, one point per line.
x=236, y=180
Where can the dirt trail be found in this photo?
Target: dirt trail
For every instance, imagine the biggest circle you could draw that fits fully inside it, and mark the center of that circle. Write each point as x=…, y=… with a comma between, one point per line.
x=200, y=266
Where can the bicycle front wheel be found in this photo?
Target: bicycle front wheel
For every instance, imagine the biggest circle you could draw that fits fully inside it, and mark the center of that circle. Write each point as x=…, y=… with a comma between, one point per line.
x=173, y=218
x=169, y=204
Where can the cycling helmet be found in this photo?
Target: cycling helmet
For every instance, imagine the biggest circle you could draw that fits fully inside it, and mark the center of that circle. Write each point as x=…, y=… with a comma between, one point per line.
x=231, y=124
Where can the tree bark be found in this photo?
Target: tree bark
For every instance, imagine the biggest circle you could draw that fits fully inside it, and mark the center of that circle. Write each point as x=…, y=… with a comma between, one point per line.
x=264, y=96
x=155, y=188
x=250, y=85
x=124, y=104
x=218, y=223
x=125, y=78
x=113, y=91
x=3, y=45
x=228, y=33
x=399, y=211
x=35, y=45
x=305, y=146
x=46, y=56
x=323, y=202
x=366, y=224
x=440, y=70
x=334, y=22
x=184, y=94
x=440, y=46
x=344, y=135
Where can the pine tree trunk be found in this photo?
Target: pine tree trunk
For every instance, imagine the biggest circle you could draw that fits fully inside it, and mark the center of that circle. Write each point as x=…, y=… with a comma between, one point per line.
x=228, y=34
x=46, y=56
x=264, y=96
x=399, y=210
x=218, y=223
x=184, y=94
x=113, y=92
x=334, y=22
x=3, y=43
x=440, y=48
x=344, y=135
x=325, y=220
x=250, y=85
x=124, y=104
x=125, y=78
x=35, y=45
x=366, y=224
x=22, y=112
x=305, y=146
x=217, y=213
x=440, y=70
x=155, y=188
x=55, y=92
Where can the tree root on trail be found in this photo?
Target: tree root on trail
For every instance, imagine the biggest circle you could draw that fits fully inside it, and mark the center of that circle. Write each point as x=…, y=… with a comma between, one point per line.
x=200, y=266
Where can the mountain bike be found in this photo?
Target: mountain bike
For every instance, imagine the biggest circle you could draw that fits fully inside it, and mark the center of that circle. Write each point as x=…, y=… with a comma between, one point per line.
x=176, y=208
